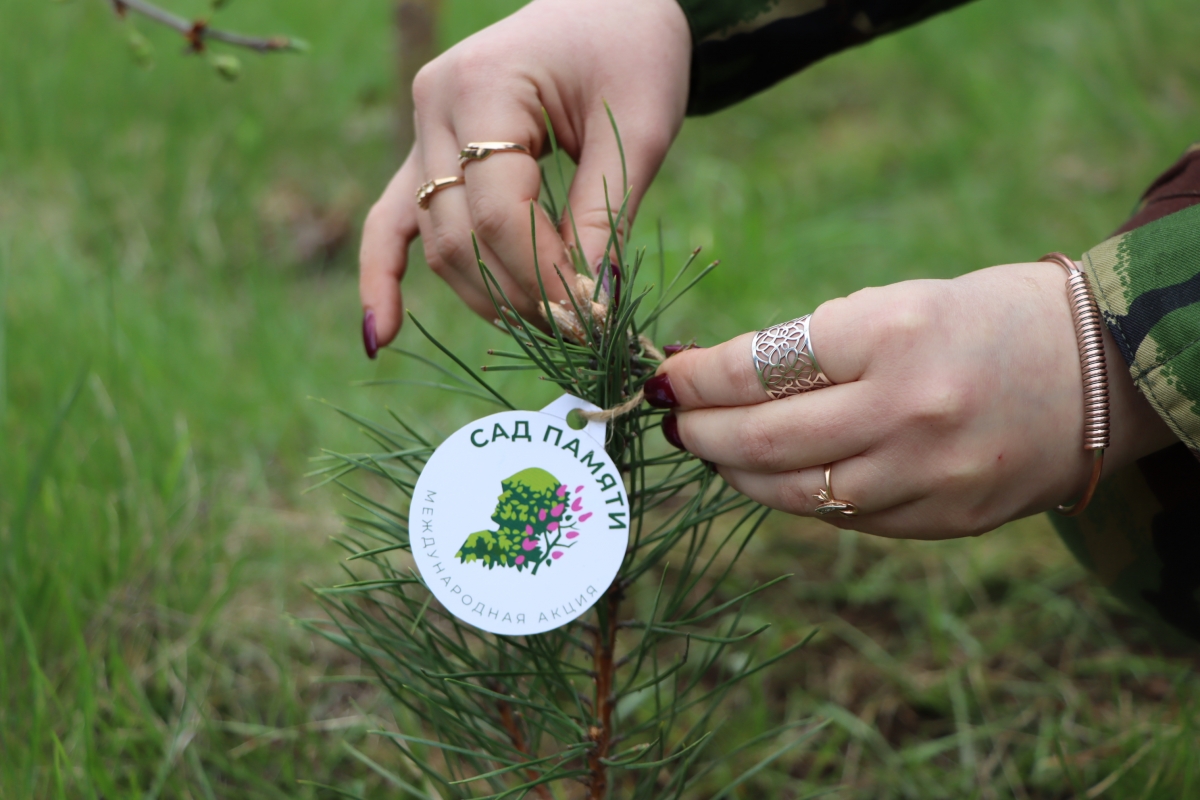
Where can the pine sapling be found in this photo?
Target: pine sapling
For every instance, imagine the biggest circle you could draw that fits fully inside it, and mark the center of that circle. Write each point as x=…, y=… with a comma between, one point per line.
x=623, y=701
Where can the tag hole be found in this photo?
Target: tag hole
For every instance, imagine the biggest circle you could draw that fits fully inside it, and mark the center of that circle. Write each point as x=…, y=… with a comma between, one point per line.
x=575, y=420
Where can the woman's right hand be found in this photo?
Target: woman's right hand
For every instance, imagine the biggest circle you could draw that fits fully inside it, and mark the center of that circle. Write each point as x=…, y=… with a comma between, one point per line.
x=957, y=406
x=569, y=58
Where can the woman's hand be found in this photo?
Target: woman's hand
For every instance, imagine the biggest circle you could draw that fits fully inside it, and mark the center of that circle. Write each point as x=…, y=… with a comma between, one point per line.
x=569, y=58
x=957, y=406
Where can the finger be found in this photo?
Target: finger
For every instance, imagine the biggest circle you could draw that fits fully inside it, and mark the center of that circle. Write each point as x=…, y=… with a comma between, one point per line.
x=502, y=192
x=598, y=188
x=917, y=519
x=841, y=335
x=800, y=431
x=848, y=333
x=713, y=377
x=446, y=225
x=389, y=229
x=854, y=480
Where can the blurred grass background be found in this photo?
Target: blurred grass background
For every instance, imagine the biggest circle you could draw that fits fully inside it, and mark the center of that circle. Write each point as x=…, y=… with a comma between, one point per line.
x=177, y=282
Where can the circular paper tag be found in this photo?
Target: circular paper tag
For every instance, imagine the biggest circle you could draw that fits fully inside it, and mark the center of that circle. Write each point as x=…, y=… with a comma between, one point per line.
x=519, y=523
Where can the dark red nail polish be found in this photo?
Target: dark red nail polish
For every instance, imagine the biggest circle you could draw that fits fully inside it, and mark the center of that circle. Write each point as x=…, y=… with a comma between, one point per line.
x=659, y=392
x=370, y=339
x=615, y=290
x=670, y=429
x=671, y=349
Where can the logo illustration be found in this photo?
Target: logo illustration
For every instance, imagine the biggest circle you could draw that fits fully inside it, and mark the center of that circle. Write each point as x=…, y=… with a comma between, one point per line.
x=537, y=520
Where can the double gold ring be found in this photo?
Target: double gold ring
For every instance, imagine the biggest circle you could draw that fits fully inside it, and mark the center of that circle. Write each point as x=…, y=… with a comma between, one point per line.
x=478, y=151
x=829, y=503
x=474, y=151
x=428, y=189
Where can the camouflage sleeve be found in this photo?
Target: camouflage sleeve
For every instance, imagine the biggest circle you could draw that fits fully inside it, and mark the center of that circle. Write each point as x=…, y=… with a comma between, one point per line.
x=1147, y=283
x=1141, y=534
x=740, y=47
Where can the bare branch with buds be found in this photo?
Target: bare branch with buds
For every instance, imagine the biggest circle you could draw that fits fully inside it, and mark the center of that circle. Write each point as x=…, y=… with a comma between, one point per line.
x=198, y=33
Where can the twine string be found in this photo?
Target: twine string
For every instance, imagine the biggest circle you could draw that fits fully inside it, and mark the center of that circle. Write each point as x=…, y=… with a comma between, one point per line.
x=650, y=349
x=609, y=414
x=621, y=409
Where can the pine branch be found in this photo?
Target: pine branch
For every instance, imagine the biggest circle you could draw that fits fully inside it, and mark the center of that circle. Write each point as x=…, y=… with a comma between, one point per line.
x=197, y=32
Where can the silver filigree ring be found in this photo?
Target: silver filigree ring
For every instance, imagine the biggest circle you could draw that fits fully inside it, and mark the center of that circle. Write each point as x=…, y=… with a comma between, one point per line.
x=784, y=359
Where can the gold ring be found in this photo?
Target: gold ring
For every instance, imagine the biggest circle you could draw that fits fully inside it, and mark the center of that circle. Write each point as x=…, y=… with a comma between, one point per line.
x=829, y=503
x=478, y=151
x=430, y=188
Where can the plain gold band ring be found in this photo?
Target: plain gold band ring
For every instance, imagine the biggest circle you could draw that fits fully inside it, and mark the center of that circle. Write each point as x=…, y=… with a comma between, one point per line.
x=430, y=188
x=478, y=151
x=829, y=503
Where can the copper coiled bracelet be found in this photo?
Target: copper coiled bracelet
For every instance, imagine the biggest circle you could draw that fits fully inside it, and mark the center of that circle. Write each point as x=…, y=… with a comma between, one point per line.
x=1090, y=336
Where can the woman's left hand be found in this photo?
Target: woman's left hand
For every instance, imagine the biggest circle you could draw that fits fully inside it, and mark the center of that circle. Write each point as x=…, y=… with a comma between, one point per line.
x=957, y=406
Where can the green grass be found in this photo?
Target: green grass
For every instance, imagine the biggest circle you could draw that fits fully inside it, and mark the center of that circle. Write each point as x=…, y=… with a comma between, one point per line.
x=161, y=338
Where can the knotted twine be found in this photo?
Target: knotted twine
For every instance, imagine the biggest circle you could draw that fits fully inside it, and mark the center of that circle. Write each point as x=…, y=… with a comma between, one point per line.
x=571, y=327
x=620, y=410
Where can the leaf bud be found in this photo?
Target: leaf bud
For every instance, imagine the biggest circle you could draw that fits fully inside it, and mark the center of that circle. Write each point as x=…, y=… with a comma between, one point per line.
x=140, y=47
x=227, y=66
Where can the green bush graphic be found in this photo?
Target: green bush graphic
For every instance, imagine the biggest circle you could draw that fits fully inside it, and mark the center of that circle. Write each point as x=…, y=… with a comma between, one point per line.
x=536, y=518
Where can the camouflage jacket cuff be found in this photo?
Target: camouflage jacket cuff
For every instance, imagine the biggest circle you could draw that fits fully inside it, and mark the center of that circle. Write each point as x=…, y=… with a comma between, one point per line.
x=740, y=47
x=1147, y=283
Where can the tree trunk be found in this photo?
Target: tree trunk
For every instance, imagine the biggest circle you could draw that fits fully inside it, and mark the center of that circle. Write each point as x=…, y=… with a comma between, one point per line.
x=416, y=39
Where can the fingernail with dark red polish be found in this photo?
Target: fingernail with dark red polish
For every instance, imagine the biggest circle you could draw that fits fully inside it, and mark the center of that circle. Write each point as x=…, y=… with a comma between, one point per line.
x=671, y=349
x=670, y=429
x=370, y=340
x=659, y=392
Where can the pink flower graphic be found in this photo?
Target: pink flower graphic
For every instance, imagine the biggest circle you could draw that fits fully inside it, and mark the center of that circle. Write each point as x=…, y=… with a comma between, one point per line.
x=556, y=554
x=561, y=490
x=572, y=534
x=542, y=515
x=529, y=544
x=585, y=517
x=557, y=510
x=578, y=504
x=552, y=527
x=520, y=559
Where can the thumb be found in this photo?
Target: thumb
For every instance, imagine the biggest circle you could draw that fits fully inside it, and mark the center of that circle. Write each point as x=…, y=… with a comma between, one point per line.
x=710, y=377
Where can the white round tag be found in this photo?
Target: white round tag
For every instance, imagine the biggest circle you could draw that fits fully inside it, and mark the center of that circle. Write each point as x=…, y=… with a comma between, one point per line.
x=518, y=522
